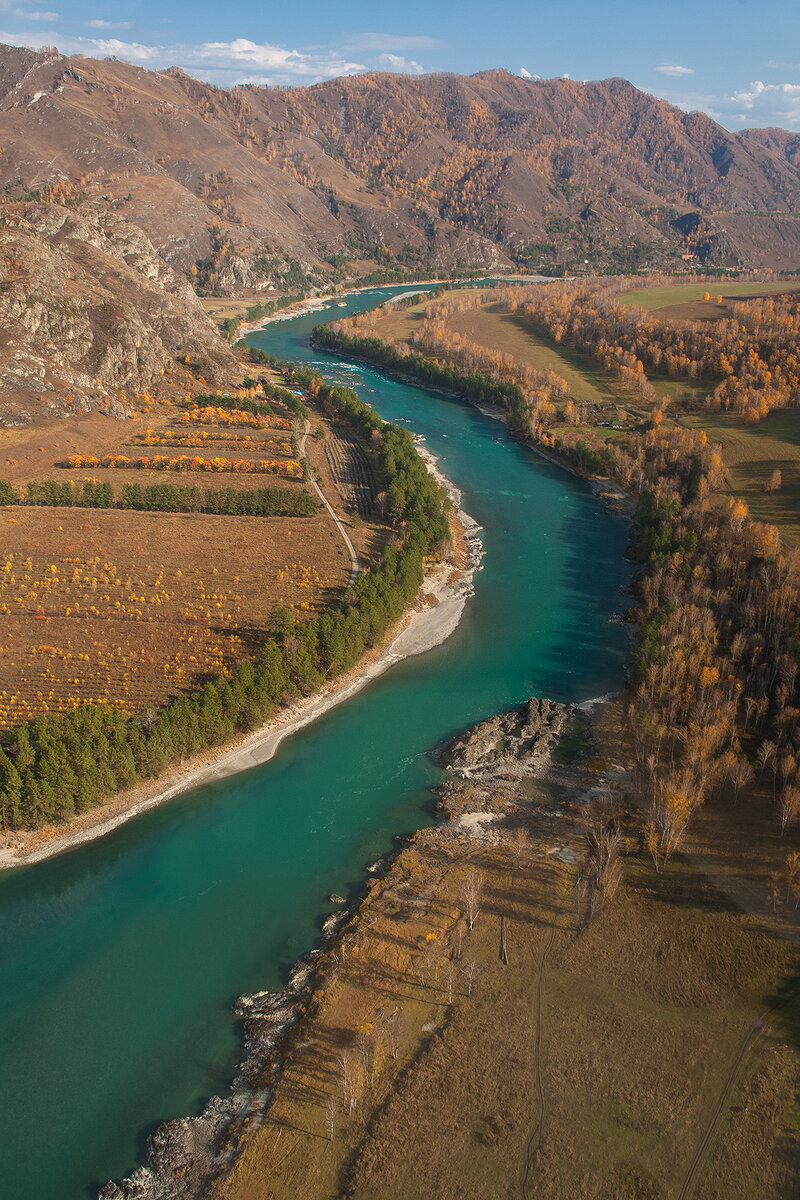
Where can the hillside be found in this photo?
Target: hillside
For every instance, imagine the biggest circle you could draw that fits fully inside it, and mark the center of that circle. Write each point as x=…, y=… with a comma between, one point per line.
x=257, y=187
x=126, y=191
x=91, y=316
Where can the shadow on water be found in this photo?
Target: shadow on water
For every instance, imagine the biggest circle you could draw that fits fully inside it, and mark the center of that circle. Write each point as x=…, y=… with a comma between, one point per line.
x=591, y=579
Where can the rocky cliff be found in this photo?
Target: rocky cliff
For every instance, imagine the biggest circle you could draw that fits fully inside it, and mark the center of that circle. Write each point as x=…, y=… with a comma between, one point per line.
x=91, y=315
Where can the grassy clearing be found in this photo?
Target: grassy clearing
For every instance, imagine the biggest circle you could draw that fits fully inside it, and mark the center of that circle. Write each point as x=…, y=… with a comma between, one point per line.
x=751, y=454
x=398, y=324
x=642, y=1017
x=511, y=334
x=656, y=298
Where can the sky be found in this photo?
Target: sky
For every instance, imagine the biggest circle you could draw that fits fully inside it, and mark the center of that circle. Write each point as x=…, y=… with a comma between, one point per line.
x=737, y=60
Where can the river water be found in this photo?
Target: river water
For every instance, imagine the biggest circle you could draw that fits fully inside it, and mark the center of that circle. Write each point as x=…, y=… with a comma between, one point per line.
x=119, y=960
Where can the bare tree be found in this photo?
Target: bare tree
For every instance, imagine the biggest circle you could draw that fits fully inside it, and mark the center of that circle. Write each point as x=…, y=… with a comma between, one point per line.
x=653, y=843
x=472, y=894
x=740, y=776
x=331, y=1112
x=785, y=883
x=601, y=871
x=789, y=808
x=774, y=482
x=520, y=844
x=470, y=971
x=394, y=1028
x=430, y=960
x=450, y=976
x=765, y=755
x=348, y=1080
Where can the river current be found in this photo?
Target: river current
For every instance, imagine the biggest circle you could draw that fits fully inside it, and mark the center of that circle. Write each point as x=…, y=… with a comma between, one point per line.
x=120, y=960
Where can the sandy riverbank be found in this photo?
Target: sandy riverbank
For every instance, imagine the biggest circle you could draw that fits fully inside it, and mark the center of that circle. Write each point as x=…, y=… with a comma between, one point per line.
x=314, y=303
x=444, y=592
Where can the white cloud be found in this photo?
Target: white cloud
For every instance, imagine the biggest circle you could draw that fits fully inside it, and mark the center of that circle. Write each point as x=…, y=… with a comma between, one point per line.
x=134, y=52
x=271, y=62
x=396, y=64
x=99, y=23
x=758, y=91
x=752, y=107
x=674, y=70
x=25, y=15
x=768, y=104
x=227, y=63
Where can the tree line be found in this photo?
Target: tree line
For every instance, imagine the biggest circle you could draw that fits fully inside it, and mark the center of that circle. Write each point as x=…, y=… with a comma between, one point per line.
x=751, y=352
x=478, y=386
x=163, y=497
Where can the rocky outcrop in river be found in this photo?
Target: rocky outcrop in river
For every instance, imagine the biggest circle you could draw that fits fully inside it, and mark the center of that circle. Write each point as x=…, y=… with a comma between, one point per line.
x=512, y=744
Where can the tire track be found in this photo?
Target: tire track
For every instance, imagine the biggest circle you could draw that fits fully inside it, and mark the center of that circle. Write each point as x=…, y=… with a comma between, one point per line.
x=752, y=1034
x=536, y=1135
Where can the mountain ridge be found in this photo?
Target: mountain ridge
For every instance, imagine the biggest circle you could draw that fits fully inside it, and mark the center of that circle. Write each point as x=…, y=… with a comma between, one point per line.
x=251, y=190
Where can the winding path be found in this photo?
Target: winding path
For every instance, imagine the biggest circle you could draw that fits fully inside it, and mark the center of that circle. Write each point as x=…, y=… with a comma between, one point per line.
x=536, y=1135
x=354, y=567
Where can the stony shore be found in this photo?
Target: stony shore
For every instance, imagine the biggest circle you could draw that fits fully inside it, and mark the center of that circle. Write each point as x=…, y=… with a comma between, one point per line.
x=484, y=800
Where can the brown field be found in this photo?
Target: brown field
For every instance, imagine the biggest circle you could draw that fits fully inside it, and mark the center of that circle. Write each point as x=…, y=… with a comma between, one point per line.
x=751, y=454
x=88, y=595
x=590, y=1067
x=397, y=324
x=131, y=607
x=511, y=334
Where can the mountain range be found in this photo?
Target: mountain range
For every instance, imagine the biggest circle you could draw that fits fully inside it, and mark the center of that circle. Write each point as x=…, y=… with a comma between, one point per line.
x=126, y=191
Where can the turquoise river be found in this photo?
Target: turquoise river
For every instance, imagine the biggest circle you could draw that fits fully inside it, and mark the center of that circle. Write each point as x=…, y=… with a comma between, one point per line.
x=120, y=960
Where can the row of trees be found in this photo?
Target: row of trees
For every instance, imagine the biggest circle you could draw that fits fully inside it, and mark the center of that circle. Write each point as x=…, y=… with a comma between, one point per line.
x=163, y=497
x=61, y=764
x=215, y=414
x=186, y=462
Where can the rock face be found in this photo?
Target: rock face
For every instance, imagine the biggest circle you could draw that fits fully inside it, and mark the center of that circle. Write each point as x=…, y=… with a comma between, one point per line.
x=90, y=314
x=512, y=744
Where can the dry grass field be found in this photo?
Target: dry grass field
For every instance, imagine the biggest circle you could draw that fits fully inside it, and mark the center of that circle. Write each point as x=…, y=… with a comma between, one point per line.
x=751, y=454
x=398, y=324
x=511, y=334
x=591, y=1066
x=131, y=607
